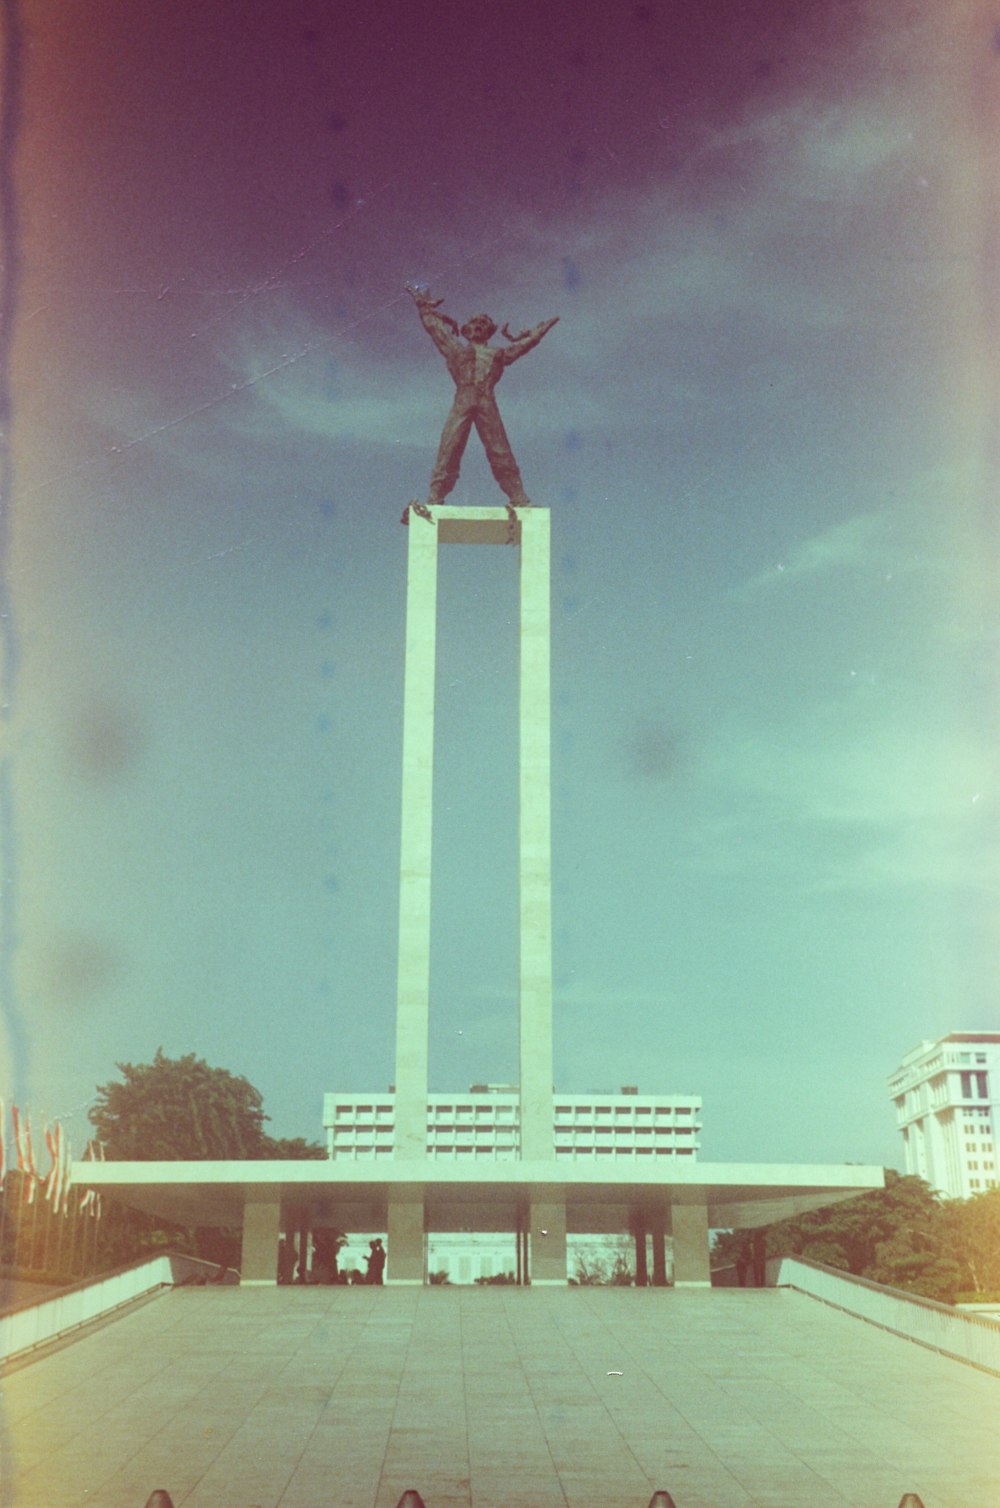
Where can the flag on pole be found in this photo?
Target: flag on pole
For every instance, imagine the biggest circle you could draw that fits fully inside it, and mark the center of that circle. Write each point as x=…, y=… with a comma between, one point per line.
x=15, y=1116
x=67, y=1178
x=57, y=1169
x=50, y=1177
x=29, y=1161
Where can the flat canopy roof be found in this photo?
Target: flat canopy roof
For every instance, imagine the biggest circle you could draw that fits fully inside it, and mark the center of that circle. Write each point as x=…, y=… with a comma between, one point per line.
x=353, y=1195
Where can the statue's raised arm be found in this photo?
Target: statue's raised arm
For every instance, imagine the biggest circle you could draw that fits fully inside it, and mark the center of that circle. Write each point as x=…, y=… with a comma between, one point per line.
x=442, y=329
x=521, y=344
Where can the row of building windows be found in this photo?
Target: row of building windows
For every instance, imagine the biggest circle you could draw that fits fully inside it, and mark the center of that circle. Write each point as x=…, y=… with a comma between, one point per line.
x=629, y=1111
x=924, y=1070
x=494, y=1108
x=503, y=1152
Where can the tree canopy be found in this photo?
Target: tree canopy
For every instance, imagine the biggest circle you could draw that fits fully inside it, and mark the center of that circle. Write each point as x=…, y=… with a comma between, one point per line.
x=180, y=1109
x=904, y=1235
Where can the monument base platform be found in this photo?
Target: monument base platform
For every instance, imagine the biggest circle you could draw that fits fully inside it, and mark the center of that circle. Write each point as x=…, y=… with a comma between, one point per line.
x=545, y=1200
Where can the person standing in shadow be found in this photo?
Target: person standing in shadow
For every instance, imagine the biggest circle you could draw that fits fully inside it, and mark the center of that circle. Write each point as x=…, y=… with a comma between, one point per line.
x=376, y=1261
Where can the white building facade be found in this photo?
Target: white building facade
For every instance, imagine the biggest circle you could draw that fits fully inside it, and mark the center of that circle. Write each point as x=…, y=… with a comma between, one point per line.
x=484, y=1125
x=947, y=1099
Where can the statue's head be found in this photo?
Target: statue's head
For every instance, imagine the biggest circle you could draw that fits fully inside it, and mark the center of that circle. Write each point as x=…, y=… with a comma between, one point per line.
x=479, y=327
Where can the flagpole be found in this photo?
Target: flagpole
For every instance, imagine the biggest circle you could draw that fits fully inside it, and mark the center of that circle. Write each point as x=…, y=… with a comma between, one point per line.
x=19, y=1226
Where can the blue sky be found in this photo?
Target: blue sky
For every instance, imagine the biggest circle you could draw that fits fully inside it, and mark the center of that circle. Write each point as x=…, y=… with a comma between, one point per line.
x=760, y=427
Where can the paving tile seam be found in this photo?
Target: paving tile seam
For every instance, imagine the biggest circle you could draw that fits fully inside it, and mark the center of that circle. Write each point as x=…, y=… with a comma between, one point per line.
x=387, y=1462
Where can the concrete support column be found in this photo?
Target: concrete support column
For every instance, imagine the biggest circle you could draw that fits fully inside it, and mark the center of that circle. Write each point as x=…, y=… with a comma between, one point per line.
x=639, y=1233
x=261, y=1230
x=405, y=1261
x=302, y=1246
x=658, y=1240
x=535, y=842
x=689, y=1220
x=547, y=1233
x=413, y=997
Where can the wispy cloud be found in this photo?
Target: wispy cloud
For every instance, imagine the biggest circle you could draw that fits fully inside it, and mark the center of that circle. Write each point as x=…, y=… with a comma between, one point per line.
x=853, y=542
x=893, y=802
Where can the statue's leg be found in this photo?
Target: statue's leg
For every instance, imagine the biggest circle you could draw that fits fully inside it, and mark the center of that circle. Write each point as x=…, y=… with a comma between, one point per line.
x=449, y=456
x=489, y=427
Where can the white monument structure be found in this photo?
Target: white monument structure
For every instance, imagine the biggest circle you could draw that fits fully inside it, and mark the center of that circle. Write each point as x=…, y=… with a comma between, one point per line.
x=538, y=1193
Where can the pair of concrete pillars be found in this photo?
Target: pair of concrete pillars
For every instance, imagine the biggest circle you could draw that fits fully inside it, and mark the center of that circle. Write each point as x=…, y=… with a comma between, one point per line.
x=686, y=1222
x=489, y=526
x=540, y=1236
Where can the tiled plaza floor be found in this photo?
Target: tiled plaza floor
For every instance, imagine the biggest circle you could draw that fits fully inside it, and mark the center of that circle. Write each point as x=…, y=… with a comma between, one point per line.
x=496, y=1398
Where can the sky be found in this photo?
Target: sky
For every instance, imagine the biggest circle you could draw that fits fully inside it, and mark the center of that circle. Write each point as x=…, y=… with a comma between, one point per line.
x=761, y=427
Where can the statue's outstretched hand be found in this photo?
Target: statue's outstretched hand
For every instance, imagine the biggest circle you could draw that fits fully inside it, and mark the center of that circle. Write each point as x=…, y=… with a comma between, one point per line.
x=422, y=297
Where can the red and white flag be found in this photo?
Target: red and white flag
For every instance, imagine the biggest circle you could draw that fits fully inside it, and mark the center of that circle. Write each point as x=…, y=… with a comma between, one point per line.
x=15, y=1116
x=29, y=1162
x=50, y=1177
x=53, y=1181
x=67, y=1173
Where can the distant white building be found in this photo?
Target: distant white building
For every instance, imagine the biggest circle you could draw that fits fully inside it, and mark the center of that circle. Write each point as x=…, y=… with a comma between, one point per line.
x=485, y=1125
x=947, y=1099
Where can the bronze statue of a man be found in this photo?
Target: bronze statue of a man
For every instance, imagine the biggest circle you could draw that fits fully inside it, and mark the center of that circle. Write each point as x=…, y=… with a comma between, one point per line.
x=476, y=368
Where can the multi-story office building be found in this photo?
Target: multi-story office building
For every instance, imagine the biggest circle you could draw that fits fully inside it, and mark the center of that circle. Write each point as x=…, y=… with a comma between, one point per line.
x=947, y=1099
x=484, y=1125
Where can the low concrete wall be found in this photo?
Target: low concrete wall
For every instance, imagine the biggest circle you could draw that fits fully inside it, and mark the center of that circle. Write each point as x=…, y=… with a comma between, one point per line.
x=973, y=1338
x=37, y=1323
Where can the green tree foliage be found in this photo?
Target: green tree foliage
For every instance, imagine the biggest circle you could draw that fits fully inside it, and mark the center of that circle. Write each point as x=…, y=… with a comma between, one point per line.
x=904, y=1235
x=292, y=1148
x=974, y=1228
x=852, y=1231
x=180, y=1109
x=612, y=1269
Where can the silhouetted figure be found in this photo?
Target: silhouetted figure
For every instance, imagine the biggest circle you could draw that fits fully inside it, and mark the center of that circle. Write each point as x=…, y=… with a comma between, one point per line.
x=286, y=1261
x=376, y=1261
x=324, y=1262
x=744, y=1263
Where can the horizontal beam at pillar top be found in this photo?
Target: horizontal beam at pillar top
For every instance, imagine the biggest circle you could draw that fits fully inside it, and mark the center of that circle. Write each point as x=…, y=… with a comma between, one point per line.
x=469, y=526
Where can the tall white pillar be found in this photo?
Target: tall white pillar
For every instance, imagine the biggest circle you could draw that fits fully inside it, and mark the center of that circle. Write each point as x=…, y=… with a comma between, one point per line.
x=535, y=1010
x=414, y=968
